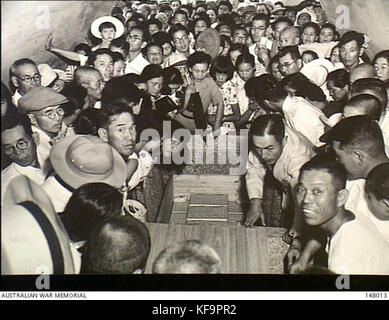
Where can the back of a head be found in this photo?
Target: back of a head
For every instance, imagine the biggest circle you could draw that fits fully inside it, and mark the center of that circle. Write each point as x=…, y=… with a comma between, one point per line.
x=120, y=88
x=362, y=71
x=118, y=245
x=268, y=88
x=358, y=132
x=377, y=182
x=365, y=104
x=292, y=50
x=87, y=121
x=81, y=75
x=89, y=205
x=189, y=256
x=371, y=86
x=304, y=87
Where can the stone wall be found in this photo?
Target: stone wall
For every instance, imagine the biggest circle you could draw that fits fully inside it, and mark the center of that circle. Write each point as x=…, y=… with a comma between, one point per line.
x=26, y=24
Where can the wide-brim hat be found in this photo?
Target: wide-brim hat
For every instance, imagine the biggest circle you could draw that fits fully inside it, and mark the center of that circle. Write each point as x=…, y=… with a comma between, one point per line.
x=116, y=22
x=82, y=159
x=209, y=40
x=33, y=239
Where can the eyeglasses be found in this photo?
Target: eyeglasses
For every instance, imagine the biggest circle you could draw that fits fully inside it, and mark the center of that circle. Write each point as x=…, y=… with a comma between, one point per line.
x=27, y=79
x=134, y=38
x=286, y=65
x=179, y=40
x=22, y=144
x=51, y=113
x=258, y=29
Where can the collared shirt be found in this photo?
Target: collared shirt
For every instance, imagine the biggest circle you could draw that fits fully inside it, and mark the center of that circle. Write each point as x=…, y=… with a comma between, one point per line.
x=298, y=113
x=145, y=163
x=45, y=143
x=296, y=151
x=137, y=65
x=15, y=98
x=356, y=249
x=36, y=175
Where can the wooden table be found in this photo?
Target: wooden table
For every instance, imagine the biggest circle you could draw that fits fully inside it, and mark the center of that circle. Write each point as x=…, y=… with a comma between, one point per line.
x=242, y=250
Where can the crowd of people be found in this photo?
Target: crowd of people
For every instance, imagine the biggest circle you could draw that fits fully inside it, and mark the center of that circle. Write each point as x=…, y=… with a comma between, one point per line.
x=314, y=102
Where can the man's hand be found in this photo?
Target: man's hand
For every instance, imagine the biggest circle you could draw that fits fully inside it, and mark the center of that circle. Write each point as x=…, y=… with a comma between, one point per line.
x=49, y=42
x=255, y=212
x=297, y=267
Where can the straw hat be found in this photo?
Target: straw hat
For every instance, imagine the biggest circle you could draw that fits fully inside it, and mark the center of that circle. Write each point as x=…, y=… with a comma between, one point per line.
x=82, y=159
x=116, y=22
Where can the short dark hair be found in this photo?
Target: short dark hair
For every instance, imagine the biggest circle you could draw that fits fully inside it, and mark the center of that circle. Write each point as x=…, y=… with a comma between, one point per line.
x=14, y=119
x=154, y=21
x=171, y=75
x=150, y=72
x=225, y=3
x=161, y=38
x=118, y=245
x=180, y=11
x=261, y=16
x=350, y=36
x=377, y=182
x=117, y=56
x=120, y=88
x=198, y=57
x=368, y=104
x=222, y=65
x=112, y=109
x=106, y=25
x=372, y=86
x=84, y=47
x=268, y=88
x=312, y=53
x=245, y=58
x=382, y=54
x=340, y=78
x=89, y=205
x=327, y=162
x=177, y=27
x=292, y=50
x=268, y=124
x=94, y=54
x=87, y=121
x=312, y=25
x=359, y=132
x=120, y=43
x=281, y=19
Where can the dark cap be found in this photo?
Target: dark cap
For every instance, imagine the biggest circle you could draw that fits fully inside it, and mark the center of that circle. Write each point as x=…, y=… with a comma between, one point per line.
x=345, y=129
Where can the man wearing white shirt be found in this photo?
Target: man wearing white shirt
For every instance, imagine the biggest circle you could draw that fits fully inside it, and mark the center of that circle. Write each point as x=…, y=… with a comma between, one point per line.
x=353, y=245
x=299, y=114
x=44, y=107
x=24, y=76
x=137, y=40
x=359, y=146
x=19, y=143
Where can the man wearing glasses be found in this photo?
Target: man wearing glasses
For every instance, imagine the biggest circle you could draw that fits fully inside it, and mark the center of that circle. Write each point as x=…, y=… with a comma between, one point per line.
x=44, y=107
x=137, y=40
x=19, y=144
x=24, y=75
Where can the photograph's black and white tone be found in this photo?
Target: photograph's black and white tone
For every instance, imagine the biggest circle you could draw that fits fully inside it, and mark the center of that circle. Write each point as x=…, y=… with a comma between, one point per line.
x=195, y=137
